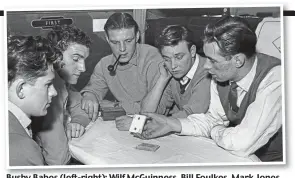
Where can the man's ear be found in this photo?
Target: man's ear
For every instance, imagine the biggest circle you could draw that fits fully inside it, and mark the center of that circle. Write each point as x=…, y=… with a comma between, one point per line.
x=137, y=36
x=193, y=51
x=107, y=37
x=239, y=60
x=20, y=88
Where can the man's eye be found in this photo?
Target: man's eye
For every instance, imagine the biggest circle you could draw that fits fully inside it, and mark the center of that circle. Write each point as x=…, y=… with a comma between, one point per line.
x=166, y=59
x=48, y=85
x=76, y=58
x=129, y=41
x=179, y=57
x=114, y=42
x=212, y=61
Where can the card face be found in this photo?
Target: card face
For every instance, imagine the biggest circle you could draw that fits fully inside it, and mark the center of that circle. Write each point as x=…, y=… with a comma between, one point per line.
x=137, y=123
x=147, y=147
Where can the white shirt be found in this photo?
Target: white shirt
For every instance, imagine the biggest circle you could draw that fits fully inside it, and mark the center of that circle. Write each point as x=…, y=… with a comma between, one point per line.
x=24, y=120
x=191, y=72
x=262, y=119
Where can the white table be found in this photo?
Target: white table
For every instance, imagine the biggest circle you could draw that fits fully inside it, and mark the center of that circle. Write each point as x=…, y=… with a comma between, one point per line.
x=103, y=145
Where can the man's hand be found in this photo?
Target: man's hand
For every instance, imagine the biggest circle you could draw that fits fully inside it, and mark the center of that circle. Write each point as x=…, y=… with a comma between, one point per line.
x=159, y=125
x=164, y=72
x=75, y=130
x=90, y=105
x=123, y=123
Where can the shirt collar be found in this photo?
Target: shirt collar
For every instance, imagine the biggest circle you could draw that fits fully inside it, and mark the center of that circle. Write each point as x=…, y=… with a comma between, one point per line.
x=248, y=79
x=24, y=120
x=192, y=71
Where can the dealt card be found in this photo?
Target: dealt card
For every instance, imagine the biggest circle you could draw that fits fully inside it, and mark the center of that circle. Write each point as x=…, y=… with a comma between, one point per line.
x=137, y=123
x=147, y=147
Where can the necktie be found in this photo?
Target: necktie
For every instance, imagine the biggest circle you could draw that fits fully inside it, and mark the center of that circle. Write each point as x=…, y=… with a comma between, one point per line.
x=233, y=97
x=183, y=85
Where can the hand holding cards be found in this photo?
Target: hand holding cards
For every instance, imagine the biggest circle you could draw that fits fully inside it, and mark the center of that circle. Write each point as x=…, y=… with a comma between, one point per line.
x=137, y=123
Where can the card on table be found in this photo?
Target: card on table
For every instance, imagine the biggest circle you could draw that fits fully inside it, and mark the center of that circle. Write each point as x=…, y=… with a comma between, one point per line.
x=147, y=147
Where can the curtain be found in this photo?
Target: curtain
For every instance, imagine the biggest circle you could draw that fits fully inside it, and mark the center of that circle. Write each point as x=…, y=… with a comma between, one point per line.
x=139, y=16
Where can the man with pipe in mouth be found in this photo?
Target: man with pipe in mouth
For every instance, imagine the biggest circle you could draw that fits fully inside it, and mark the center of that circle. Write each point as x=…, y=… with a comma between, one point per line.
x=129, y=72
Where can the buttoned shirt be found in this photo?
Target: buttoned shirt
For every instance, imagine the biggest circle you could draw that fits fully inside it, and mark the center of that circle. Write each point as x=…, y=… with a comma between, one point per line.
x=262, y=120
x=191, y=72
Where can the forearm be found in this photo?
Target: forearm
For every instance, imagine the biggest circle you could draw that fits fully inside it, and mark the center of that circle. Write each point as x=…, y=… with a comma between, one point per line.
x=97, y=84
x=98, y=93
x=199, y=124
x=77, y=114
x=131, y=107
x=151, y=101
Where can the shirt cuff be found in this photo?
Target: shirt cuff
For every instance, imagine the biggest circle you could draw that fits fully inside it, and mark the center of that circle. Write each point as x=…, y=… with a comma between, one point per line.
x=90, y=91
x=215, y=131
x=187, y=127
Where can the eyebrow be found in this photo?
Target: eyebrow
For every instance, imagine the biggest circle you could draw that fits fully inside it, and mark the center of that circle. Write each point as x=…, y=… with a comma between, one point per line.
x=164, y=56
x=49, y=81
x=180, y=53
x=77, y=54
x=210, y=58
x=131, y=38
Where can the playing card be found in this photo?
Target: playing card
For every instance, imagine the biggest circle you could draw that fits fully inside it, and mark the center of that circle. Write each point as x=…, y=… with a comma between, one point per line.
x=137, y=123
x=147, y=147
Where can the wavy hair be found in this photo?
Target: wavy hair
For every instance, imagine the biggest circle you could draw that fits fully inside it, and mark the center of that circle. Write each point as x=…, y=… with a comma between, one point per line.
x=29, y=57
x=62, y=36
x=233, y=35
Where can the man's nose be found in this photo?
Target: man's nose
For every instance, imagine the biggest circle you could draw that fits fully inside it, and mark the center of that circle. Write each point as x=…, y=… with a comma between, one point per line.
x=122, y=46
x=81, y=66
x=173, y=64
x=52, y=91
x=208, y=64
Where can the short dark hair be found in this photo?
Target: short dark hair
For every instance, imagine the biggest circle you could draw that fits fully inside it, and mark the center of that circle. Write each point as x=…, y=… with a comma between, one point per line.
x=233, y=35
x=29, y=57
x=62, y=36
x=120, y=20
x=171, y=35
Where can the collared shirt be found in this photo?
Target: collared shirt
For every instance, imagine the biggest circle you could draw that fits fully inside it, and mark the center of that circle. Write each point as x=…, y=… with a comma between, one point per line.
x=196, y=97
x=191, y=72
x=262, y=120
x=24, y=120
x=244, y=83
x=131, y=82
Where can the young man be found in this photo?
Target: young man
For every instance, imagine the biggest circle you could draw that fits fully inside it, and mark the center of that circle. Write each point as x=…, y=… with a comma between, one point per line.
x=190, y=83
x=30, y=93
x=245, y=112
x=135, y=73
x=65, y=117
x=189, y=86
